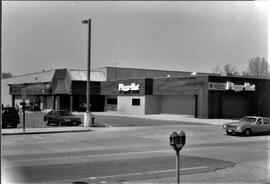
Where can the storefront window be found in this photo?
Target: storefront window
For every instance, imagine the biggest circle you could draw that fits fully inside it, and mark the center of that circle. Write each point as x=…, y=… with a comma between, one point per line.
x=136, y=101
x=112, y=101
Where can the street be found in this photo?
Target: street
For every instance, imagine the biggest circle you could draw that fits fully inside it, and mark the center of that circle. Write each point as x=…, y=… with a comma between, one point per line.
x=131, y=153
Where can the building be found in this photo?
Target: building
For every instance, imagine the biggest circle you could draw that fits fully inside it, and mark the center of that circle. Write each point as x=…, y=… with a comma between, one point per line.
x=66, y=88
x=141, y=91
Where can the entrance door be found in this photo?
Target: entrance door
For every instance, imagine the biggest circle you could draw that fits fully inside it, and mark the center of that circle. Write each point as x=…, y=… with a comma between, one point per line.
x=178, y=104
x=237, y=105
x=64, y=102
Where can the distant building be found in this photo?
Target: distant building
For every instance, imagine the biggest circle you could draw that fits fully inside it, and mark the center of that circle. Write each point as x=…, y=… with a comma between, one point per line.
x=143, y=91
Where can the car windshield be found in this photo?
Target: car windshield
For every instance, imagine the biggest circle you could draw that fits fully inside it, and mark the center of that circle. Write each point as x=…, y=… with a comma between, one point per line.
x=9, y=111
x=247, y=120
x=64, y=113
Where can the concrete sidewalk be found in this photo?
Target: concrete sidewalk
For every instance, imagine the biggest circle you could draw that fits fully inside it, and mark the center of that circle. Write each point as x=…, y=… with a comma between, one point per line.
x=18, y=131
x=169, y=117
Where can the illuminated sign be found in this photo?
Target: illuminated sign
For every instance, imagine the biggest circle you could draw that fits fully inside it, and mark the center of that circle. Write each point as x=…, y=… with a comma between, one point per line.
x=231, y=86
x=128, y=88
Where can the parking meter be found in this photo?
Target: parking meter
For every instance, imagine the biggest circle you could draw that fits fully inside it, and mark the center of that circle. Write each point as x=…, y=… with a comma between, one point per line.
x=177, y=141
x=182, y=139
x=174, y=140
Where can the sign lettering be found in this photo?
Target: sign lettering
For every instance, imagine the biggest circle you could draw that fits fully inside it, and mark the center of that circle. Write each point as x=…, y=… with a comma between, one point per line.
x=231, y=86
x=128, y=88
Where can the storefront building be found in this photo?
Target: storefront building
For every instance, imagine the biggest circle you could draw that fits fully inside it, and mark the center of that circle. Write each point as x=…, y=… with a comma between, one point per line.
x=202, y=96
x=139, y=91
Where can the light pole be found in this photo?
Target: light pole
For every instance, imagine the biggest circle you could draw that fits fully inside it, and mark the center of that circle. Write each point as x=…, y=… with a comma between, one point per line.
x=87, y=117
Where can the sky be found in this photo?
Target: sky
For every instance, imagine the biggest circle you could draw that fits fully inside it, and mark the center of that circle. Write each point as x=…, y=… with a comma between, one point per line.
x=167, y=35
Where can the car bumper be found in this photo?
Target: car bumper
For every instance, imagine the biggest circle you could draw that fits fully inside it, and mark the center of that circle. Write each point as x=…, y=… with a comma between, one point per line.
x=72, y=122
x=231, y=130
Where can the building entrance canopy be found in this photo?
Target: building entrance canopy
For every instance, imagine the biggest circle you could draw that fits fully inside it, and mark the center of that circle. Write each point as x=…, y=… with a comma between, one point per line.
x=37, y=89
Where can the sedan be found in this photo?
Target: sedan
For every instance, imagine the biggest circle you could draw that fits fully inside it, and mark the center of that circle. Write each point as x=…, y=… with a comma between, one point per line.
x=61, y=117
x=248, y=125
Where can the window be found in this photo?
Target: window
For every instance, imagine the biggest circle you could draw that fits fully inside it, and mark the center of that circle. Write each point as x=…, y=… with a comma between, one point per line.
x=247, y=120
x=51, y=112
x=266, y=121
x=136, y=101
x=112, y=101
x=259, y=121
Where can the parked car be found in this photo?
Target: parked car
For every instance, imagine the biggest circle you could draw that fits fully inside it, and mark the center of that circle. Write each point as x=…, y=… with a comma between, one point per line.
x=35, y=108
x=28, y=107
x=248, y=125
x=10, y=117
x=61, y=117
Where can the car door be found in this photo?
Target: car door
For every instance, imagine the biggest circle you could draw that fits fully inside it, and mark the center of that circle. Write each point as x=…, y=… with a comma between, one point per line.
x=51, y=117
x=259, y=127
x=266, y=124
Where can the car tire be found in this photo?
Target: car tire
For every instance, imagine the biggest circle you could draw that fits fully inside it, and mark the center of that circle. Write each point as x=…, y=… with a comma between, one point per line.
x=228, y=133
x=247, y=132
x=47, y=123
x=14, y=126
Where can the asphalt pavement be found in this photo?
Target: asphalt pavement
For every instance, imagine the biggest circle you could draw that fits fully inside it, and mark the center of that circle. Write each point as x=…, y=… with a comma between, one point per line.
x=167, y=117
x=229, y=172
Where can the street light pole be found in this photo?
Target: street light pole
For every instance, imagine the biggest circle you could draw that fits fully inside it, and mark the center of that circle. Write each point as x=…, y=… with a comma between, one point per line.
x=87, y=118
x=88, y=64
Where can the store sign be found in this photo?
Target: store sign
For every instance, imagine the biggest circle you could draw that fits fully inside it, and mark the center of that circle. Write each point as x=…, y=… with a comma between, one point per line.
x=231, y=86
x=133, y=87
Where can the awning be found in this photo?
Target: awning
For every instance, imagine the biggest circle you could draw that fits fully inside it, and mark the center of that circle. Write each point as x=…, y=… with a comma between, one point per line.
x=38, y=89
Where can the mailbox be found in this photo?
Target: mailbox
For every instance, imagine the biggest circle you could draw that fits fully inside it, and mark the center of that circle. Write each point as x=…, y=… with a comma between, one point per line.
x=177, y=141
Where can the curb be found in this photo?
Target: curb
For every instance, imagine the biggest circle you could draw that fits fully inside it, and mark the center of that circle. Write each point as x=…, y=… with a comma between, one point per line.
x=44, y=132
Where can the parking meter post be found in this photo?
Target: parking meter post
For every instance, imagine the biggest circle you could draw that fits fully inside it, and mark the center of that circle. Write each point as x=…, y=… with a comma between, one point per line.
x=178, y=166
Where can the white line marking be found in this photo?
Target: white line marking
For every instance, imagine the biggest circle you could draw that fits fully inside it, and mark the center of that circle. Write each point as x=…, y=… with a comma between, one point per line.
x=150, y=172
x=37, y=137
x=92, y=178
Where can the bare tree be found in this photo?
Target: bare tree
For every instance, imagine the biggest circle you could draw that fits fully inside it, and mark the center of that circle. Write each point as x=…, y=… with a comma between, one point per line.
x=230, y=70
x=217, y=70
x=244, y=73
x=258, y=67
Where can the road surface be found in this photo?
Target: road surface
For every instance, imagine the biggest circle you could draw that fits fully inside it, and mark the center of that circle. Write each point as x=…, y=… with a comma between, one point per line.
x=118, y=154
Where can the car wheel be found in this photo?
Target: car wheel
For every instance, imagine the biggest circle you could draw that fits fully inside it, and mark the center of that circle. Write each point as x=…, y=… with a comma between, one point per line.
x=228, y=133
x=14, y=126
x=47, y=123
x=247, y=132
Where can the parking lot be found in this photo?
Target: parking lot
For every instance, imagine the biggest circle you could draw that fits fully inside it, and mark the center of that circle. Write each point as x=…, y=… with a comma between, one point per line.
x=35, y=120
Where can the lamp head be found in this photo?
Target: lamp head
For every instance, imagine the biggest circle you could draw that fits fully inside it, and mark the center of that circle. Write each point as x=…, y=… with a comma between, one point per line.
x=85, y=21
